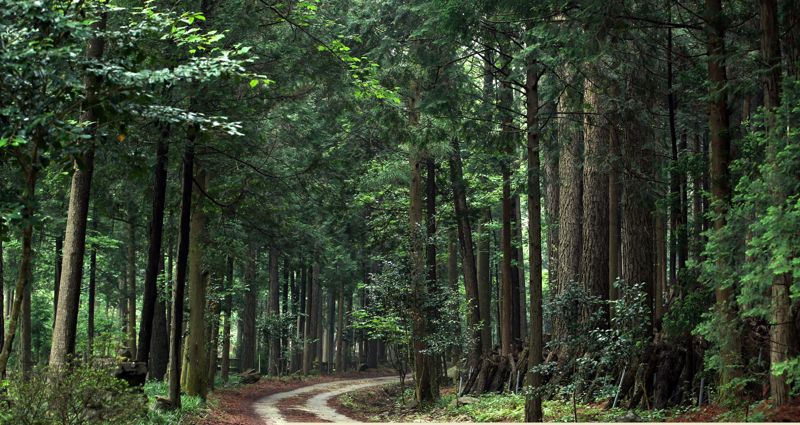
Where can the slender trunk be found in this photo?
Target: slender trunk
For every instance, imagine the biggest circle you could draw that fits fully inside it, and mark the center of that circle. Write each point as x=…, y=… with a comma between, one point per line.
x=520, y=266
x=452, y=280
x=551, y=201
x=329, y=340
x=484, y=282
x=26, y=354
x=308, y=328
x=226, y=327
x=158, y=354
x=31, y=171
x=340, y=330
x=92, y=295
x=154, y=256
x=196, y=367
x=57, y=280
x=533, y=402
x=284, y=364
x=505, y=105
x=660, y=267
x=214, y=309
x=247, y=359
x=176, y=318
x=425, y=371
x=273, y=312
x=674, y=175
x=131, y=282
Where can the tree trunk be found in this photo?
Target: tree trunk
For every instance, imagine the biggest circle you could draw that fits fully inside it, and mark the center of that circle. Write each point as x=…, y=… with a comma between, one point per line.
x=533, y=403
x=730, y=343
x=273, y=312
x=425, y=370
x=782, y=335
x=247, y=356
x=66, y=319
x=340, y=332
x=308, y=332
x=329, y=340
x=468, y=261
x=613, y=214
x=594, y=252
x=570, y=210
x=520, y=266
x=158, y=355
x=92, y=294
x=452, y=280
x=196, y=368
x=505, y=104
x=154, y=256
x=58, y=252
x=285, y=312
x=130, y=277
x=176, y=317
x=26, y=353
x=638, y=206
x=214, y=309
x=226, y=327
x=484, y=282
x=31, y=171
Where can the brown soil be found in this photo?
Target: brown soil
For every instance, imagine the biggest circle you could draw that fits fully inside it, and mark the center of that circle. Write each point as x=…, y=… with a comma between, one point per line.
x=374, y=404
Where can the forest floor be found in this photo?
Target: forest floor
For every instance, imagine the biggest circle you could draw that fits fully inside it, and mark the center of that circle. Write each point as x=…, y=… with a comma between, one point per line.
x=240, y=404
x=390, y=404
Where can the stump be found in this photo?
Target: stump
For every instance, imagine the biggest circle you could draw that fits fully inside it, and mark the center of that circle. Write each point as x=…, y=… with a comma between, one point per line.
x=249, y=376
x=134, y=373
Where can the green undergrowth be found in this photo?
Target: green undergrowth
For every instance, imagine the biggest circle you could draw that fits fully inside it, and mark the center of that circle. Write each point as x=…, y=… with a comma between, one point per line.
x=491, y=408
x=191, y=406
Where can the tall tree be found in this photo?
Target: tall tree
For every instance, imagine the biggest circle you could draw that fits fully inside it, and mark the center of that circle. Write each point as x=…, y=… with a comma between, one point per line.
x=66, y=319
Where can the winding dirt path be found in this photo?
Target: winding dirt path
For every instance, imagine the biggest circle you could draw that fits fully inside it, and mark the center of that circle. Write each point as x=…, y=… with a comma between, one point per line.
x=310, y=403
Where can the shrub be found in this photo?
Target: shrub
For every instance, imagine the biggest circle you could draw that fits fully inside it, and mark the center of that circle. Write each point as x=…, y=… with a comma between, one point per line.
x=76, y=395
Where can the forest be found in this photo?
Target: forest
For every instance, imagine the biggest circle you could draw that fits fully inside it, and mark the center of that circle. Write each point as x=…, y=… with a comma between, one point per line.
x=494, y=210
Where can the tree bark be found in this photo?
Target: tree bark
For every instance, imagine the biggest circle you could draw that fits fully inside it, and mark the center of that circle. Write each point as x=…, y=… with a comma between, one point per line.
x=66, y=319
x=273, y=311
x=468, y=261
x=176, y=317
x=308, y=333
x=340, y=331
x=484, y=281
x=196, y=368
x=58, y=252
x=505, y=104
x=520, y=266
x=594, y=249
x=226, y=327
x=26, y=353
x=92, y=294
x=782, y=330
x=533, y=402
x=130, y=277
x=31, y=171
x=247, y=356
x=425, y=370
x=154, y=256
x=158, y=355
x=719, y=128
x=570, y=210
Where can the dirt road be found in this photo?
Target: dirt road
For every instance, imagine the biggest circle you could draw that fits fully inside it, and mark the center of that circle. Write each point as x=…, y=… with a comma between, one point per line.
x=310, y=403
